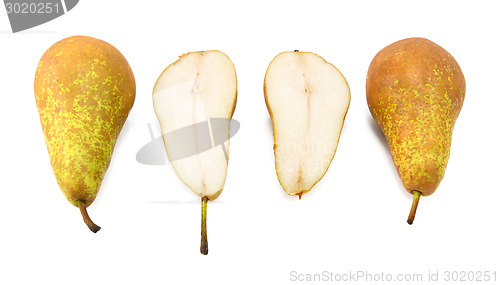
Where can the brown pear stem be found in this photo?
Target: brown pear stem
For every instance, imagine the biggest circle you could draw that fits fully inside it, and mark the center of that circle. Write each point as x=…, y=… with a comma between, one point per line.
x=204, y=240
x=413, y=211
x=83, y=209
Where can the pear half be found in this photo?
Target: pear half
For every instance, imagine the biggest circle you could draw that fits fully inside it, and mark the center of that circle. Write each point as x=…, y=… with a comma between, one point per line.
x=307, y=99
x=193, y=91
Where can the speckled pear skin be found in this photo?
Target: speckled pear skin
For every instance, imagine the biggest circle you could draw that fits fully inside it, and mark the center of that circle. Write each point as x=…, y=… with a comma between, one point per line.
x=415, y=91
x=84, y=90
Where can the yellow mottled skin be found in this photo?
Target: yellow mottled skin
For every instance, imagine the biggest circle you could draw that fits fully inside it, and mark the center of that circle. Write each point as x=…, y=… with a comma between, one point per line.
x=84, y=90
x=415, y=90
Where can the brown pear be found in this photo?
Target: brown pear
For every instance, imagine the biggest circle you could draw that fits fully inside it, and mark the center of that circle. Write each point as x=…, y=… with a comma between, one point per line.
x=415, y=90
x=84, y=90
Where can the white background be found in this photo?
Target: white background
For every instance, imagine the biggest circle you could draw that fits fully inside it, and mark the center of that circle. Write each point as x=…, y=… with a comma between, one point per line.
x=353, y=219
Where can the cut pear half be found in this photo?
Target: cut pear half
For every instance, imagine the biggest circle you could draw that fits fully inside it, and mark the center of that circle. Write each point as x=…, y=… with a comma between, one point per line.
x=190, y=98
x=307, y=99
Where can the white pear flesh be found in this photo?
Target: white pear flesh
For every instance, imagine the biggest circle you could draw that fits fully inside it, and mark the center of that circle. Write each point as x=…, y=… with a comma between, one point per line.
x=195, y=88
x=307, y=99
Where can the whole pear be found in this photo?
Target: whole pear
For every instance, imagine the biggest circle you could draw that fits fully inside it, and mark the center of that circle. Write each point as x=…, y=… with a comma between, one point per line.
x=84, y=90
x=415, y=90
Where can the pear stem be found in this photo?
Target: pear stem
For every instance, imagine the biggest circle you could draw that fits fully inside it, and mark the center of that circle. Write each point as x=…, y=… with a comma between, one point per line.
x=83, y=209
x=204, y=240
x=413, y=211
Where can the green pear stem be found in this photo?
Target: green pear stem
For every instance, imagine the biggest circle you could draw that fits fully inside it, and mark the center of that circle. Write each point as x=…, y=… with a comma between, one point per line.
x=414, y=205
x=204, y=240
x=83, y=209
